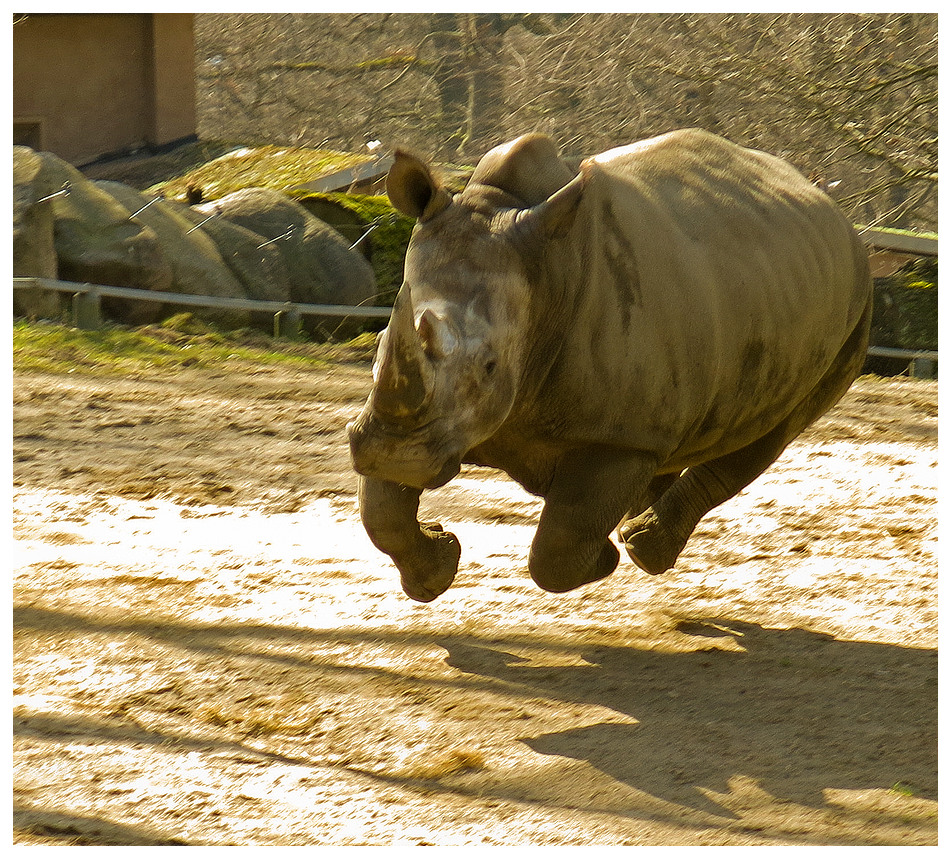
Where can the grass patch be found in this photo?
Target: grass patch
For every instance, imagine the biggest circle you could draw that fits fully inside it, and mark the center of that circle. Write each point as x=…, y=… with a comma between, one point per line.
x=180, y=342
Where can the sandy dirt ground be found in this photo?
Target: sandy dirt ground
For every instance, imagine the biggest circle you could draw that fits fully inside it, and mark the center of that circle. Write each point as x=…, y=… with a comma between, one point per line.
x=208, y=650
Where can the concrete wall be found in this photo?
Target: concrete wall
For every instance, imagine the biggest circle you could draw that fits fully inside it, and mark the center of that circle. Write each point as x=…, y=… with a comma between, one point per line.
x=87, y=85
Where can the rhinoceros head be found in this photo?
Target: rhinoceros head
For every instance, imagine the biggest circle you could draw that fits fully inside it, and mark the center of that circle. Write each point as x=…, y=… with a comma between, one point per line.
x=449, y=364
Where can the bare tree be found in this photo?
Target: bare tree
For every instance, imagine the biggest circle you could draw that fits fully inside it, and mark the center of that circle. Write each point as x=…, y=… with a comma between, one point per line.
x=851, y=99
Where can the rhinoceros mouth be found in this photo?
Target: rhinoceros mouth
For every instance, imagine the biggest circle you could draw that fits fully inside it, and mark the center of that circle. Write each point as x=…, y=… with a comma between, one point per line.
x=413, y=460
x=447, y=473
x=413, y=474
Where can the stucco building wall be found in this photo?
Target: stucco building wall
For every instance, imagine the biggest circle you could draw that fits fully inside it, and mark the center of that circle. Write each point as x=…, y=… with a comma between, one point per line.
x=87, y=85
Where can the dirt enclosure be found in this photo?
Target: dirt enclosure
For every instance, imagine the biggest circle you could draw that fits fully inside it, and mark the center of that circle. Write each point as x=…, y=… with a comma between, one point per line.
x=208, y=651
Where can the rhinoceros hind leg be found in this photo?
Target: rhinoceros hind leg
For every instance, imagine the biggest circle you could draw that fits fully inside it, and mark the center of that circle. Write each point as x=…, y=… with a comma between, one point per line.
x=653, y=550
x=649, y=544
x=655, y=537
x=655, y=489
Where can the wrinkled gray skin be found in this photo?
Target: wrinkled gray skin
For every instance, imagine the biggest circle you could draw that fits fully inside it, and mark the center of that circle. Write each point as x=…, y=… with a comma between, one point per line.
x=634, y=341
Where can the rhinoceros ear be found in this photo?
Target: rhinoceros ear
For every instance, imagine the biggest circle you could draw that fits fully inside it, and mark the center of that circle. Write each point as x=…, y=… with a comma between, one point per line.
x=554, y=217
x=413, y=190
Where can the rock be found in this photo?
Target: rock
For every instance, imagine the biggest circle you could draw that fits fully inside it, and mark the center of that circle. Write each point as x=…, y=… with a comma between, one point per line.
x=95, y=239
x=34, y=253
x=321, y=267
x=197, y=266
x=260, y=244
x=196, y=263
x=258, y=266
x=345, y=221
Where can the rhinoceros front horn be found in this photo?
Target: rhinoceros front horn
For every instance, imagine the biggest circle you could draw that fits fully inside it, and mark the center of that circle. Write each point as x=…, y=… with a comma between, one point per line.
x=403, y=376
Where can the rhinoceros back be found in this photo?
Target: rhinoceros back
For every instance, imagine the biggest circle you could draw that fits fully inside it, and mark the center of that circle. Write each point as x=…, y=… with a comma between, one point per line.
x=722, y=285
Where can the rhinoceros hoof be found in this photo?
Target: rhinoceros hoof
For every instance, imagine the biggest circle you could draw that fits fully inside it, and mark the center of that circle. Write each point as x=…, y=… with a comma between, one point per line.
x=564, y=570
x=649, y=544
x=431, y=570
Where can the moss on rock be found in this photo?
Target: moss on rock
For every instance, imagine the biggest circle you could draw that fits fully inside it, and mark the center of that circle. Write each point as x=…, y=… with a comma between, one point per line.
x=906, y=307
x=274, y=167
x=387, y=241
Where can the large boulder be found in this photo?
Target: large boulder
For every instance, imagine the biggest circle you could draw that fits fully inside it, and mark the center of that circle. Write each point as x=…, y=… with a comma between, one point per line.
x=257, y=264
x=382, y=232
x=197, y=266
x=95, y=238
x=345, y=221
x=320, y=265
x=255, y=243
x=196, y=263
x=34, y=252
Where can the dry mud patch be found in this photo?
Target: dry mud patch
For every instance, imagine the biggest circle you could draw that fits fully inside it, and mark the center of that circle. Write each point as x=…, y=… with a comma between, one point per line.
x=208, y=651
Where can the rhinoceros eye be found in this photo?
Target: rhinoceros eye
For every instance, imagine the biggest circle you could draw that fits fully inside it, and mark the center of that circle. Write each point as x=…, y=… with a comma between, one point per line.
x=486, y=362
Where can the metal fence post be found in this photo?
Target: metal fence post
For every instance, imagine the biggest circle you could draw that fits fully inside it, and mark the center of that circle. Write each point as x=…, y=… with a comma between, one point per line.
x=923, y=368
x=86, y=310
x=287, y=323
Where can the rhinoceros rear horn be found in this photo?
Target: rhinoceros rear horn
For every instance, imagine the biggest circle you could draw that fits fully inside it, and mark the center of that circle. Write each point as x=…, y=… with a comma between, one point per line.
x=413, y=190
x=403, y=376
x=528, y=168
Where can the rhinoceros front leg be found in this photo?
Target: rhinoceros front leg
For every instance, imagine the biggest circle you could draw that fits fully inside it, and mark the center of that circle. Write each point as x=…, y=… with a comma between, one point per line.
x=592, y=489
x=426, y=556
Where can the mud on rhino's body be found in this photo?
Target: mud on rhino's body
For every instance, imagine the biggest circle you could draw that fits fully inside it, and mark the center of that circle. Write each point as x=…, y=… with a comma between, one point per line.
x=635, y=342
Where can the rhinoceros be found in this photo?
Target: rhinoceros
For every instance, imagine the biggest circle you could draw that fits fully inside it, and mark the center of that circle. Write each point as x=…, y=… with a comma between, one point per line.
x=634, y=340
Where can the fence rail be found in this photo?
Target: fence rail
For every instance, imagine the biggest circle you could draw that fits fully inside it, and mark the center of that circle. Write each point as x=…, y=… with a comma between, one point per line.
x=287, y=315
x=899, y=241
